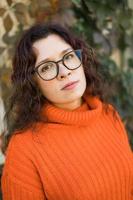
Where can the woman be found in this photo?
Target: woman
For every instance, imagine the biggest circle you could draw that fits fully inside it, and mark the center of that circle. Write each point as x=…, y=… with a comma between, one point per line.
x=66, y=142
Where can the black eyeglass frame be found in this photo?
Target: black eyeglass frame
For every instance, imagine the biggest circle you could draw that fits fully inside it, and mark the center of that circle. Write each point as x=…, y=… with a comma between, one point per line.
x=57, y=65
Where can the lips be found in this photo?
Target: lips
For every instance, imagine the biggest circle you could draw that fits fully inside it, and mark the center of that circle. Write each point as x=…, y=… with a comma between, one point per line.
x=70, y=85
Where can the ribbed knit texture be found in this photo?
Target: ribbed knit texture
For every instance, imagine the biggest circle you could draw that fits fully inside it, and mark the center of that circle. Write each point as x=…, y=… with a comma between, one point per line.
x=78, y=155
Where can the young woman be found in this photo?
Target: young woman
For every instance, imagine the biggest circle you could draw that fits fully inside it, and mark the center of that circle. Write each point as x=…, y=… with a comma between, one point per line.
x=66, y=142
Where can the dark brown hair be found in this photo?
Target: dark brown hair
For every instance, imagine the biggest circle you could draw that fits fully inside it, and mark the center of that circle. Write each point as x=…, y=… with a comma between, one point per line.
x=26, y=99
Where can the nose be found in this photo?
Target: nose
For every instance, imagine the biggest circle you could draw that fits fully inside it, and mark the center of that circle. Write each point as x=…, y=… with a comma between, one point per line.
x=63, y=72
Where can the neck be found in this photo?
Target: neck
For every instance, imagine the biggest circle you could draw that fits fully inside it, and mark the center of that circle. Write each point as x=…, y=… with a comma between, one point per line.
x=69, y=105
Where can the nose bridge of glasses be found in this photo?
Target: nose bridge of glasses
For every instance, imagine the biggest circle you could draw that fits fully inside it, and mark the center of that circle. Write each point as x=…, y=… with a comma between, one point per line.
x=61, y=66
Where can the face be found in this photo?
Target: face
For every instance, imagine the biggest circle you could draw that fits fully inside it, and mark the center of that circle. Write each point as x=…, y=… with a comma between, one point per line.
x=67, y=88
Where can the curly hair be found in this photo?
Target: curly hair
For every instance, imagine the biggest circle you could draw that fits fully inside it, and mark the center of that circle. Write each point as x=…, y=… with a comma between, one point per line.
x=26, y=99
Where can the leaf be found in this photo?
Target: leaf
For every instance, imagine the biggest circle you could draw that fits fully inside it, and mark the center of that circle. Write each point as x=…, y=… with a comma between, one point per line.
x=2, y=49
x=9, y=2
x=8, y=23
x=76, y=2
x=9, y=40
x=21, y=12
x=130, y=62
x=2, y=11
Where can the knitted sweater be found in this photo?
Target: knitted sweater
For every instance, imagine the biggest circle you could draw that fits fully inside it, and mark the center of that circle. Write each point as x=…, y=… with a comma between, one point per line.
x=82, y=154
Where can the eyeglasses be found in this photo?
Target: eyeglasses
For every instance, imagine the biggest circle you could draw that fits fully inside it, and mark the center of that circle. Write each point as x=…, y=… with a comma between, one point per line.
x=50, y=70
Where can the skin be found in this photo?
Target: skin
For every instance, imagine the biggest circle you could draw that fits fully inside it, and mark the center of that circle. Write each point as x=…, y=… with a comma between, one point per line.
x=51, y=48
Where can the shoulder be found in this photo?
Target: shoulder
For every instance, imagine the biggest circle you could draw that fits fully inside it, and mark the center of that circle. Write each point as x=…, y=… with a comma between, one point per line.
x=22, y=144
x=20, y=138
x=20, y=147
x=116, y=120
x=112, y=113
x=20, y=154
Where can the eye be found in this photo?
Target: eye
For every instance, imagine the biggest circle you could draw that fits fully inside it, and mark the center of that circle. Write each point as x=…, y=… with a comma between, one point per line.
x=46, y=67
x=69, y=56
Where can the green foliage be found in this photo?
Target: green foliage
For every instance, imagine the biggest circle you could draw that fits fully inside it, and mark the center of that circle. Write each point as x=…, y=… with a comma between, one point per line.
x=109, y=27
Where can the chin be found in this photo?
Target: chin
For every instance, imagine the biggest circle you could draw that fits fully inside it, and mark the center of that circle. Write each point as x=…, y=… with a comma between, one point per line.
x=73, y=97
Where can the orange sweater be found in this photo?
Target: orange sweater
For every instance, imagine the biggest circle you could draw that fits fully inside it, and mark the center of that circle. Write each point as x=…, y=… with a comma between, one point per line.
x=78, y=155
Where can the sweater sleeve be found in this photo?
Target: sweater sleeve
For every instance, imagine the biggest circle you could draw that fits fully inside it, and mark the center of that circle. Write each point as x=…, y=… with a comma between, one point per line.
x=20, y=179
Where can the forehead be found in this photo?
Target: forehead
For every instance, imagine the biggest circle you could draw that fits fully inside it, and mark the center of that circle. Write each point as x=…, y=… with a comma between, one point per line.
x=50, y=46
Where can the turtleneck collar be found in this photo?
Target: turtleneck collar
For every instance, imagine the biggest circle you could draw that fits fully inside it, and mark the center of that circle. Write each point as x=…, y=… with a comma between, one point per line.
x=87, y=113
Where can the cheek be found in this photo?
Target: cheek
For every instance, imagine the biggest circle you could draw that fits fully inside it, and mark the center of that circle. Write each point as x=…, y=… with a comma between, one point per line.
x=47, y=87
x=82, y=74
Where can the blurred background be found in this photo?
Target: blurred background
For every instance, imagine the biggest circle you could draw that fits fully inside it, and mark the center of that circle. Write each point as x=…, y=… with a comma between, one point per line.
x=106, y=25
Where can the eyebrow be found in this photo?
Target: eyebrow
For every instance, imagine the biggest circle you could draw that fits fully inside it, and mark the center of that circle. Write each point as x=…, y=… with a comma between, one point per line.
x=48, y=59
